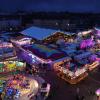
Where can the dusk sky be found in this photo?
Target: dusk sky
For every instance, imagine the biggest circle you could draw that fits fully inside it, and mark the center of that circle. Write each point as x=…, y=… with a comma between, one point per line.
x=51, y=5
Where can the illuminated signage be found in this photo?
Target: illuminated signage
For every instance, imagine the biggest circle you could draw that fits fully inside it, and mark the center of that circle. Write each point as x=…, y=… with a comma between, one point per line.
x=34, y=59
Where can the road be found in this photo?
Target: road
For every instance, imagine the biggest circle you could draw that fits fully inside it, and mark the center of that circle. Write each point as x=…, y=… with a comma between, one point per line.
x=61, y=90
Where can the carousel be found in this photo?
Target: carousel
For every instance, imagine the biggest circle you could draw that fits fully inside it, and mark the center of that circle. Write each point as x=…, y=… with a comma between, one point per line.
x=20, y=87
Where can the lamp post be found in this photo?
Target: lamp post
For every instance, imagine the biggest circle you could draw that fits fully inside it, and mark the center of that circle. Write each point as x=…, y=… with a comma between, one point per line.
x=98, y=94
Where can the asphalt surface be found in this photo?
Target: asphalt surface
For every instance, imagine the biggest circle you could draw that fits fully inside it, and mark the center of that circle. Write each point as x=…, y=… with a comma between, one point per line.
x=61, y=90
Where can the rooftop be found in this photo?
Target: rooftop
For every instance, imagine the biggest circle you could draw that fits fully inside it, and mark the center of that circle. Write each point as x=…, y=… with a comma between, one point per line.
x=38, y=33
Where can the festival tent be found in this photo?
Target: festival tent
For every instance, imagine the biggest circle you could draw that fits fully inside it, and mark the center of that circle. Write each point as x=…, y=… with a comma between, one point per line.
x=38, y=33
x=44, y=52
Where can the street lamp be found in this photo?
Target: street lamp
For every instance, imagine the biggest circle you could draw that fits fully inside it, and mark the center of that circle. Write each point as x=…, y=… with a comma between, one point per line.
x=67, y=26
x=56, y=24
x=98, y=94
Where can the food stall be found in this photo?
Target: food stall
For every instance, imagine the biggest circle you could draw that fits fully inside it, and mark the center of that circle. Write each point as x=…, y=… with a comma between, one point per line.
x=22, y=40
x=6, y=50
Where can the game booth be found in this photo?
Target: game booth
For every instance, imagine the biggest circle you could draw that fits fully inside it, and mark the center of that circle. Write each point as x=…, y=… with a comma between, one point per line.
x=21, y=40
x=6, y=50
x=11, y=67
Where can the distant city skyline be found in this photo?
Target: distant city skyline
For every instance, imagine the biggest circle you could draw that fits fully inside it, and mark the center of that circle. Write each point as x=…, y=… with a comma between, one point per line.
x=92, y=6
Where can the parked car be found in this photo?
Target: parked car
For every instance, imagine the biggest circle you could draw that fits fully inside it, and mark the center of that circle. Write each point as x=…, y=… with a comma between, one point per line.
x=45, y=89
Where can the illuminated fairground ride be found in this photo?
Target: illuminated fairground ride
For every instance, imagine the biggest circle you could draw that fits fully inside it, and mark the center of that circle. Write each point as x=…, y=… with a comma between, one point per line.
x=73, y=74
x=11, y=67
x=7, y=70
x=20, y=87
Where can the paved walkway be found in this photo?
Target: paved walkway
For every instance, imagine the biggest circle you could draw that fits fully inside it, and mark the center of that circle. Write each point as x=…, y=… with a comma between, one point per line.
x=61, y=90
x=33, y=90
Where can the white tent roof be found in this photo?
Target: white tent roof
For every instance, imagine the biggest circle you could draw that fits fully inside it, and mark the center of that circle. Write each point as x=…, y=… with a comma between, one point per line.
x=38, y=33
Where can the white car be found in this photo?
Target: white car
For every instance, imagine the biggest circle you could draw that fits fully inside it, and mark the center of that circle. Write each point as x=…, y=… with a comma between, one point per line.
x=45, y=89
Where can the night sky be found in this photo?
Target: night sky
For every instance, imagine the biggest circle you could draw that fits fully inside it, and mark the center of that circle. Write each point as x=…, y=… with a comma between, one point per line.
x=51, y=5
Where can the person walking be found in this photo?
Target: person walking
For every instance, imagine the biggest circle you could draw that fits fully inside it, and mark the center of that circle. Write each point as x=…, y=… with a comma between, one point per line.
x=77, y=94
x=83, y=98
